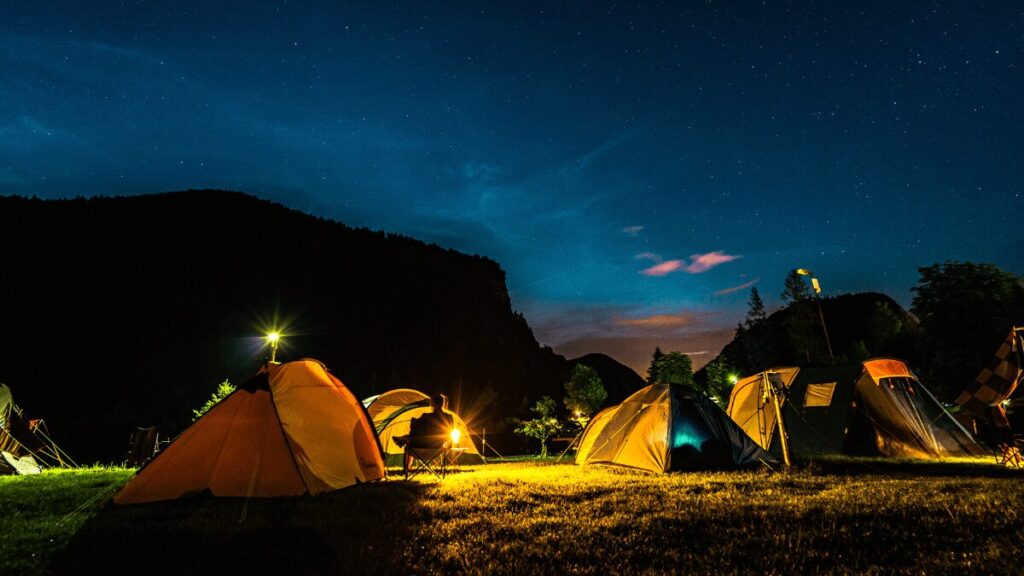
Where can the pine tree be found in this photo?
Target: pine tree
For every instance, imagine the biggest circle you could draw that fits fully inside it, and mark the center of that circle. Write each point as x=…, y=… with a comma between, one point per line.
x=756, y=314
x=796, y=289
x=652, y=371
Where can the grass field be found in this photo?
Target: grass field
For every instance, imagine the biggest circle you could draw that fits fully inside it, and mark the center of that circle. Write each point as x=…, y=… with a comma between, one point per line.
x=530, y=517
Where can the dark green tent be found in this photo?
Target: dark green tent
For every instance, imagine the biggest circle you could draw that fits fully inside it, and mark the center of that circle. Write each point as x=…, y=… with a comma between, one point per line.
x=876, y=408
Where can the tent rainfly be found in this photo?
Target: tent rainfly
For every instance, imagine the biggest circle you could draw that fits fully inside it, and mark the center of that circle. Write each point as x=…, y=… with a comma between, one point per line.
x=292, y=429
x=665, y=427
x=392, y=413
x=876, y=408
x=25, y=445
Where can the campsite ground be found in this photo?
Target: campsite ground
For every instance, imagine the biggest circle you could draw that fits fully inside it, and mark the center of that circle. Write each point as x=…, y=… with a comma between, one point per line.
x=529, y=517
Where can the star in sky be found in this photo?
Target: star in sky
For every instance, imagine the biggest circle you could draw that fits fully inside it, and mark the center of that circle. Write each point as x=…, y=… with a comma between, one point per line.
x=862, y=141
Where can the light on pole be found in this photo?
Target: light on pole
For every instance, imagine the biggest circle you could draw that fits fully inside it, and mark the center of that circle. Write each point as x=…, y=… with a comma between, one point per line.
x=817, y=290
x=273, y=338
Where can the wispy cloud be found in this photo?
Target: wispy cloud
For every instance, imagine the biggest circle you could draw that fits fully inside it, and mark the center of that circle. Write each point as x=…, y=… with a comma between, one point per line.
x=732, y=289
x=648, y=256
x=633, y=230
x=698, y=263
x=665, y=268
x=659, y=321
x=583, y=162
x=480, y=171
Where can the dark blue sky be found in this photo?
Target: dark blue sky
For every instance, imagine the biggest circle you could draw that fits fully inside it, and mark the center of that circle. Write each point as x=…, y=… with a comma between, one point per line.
x=715, y=145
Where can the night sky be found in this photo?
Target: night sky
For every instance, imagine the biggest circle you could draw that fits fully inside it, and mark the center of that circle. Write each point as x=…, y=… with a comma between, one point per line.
x=634, y=168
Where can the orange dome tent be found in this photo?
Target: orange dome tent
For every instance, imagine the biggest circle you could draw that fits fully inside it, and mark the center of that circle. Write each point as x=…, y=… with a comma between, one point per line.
x=292, y=429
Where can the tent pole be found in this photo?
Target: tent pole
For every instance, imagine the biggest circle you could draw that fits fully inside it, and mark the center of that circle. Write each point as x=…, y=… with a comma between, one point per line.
x=783, y=439
x=571, y=444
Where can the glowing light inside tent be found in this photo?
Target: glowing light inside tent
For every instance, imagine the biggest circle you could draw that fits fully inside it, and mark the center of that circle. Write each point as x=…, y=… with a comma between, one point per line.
x=456, y=435
x=686, y=435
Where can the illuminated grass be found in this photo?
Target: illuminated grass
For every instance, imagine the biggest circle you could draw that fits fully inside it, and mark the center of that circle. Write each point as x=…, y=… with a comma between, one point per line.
x=37, y=513
x=535, y=517
x=601, y=520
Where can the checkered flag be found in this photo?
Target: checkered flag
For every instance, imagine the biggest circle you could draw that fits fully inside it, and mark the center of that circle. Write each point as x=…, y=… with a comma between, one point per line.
x=995, y=383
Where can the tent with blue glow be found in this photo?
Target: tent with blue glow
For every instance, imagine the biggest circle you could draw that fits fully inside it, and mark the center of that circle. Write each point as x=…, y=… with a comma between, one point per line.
x=666, y=427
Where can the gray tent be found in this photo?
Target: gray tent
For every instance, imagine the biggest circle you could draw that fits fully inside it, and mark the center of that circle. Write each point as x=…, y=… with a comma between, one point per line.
x=24, y=443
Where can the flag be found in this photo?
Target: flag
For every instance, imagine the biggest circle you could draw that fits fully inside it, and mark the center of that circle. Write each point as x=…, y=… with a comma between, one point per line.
x=995, y=383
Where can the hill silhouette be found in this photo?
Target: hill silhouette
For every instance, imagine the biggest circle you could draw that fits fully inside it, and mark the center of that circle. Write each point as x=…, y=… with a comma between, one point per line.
x=129, y=311
x=860, y=326
x=619, y=380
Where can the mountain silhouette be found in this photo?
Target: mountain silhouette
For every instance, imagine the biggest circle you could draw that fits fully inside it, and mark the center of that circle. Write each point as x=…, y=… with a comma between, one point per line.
x=128, y=311
x=619, y=380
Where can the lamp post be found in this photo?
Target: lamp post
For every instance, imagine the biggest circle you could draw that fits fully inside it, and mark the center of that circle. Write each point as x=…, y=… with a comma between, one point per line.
x=817, y=290
x=273, y=338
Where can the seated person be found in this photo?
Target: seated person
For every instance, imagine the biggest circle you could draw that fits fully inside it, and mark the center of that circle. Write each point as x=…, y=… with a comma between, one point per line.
x=429, y=432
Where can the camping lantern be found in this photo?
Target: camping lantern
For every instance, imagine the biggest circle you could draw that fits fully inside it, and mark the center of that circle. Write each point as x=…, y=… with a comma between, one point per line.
x=456, y=434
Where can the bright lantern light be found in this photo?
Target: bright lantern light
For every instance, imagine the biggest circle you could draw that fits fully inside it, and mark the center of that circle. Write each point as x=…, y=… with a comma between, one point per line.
x=456, y=434
x=273, y=337
x=733, y=378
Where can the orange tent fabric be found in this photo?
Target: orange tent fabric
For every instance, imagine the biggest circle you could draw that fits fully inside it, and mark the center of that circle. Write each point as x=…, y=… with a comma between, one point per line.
x=293, y=429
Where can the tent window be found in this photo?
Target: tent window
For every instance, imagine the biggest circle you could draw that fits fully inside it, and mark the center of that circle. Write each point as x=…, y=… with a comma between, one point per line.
x=819, y=395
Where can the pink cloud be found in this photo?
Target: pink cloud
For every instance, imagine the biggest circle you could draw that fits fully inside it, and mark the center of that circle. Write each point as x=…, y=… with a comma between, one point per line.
x=648, y=256
x=698, y=263
x=665, y=268
x=704, y=262
x=732, y=289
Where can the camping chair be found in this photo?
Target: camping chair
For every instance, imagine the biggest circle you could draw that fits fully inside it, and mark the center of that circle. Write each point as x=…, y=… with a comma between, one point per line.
x=1010, y=453
x=426, y=458
x=142, y=446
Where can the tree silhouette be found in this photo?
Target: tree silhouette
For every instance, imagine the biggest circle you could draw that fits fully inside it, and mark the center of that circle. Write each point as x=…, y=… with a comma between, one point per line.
x=584, y=392
x=796, y=288
x=966, y=310
x=224, y=389
x=719, y=380
x=674, y=368
x=543, y=426
x=652, y=370
x=756, y=313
